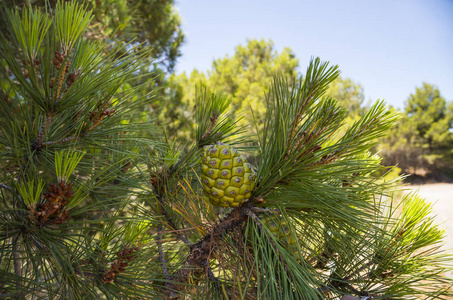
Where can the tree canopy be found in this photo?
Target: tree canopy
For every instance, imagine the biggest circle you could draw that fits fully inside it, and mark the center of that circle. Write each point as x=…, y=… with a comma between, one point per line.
x=348, y=93
x=421, y=143
x=244, y=77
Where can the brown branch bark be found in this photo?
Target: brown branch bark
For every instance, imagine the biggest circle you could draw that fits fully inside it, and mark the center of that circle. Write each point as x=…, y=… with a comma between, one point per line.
x=197, y=261
x=213, y=120
x=199, y=253
x=198, y=258
x=17, y=268
x=38, y=142
x=62, y=141
x=16, y=257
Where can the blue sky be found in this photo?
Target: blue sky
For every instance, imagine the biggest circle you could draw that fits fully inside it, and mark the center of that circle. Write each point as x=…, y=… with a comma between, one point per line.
x=389, y=46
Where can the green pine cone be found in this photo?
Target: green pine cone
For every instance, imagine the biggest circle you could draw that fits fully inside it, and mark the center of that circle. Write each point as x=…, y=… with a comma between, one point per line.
x=277, y=225
x=227, y=178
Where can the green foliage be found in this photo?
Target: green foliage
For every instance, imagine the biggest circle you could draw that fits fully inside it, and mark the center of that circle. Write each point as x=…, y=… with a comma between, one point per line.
x=421, y=143
x=244, y=77
x=30, y=191
x=348, y=93
x=152, y=22
x=213, y=118
x=64, y=157
x=96, y=207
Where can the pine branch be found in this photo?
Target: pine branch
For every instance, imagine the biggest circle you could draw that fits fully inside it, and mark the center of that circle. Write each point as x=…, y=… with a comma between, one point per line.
x=214, y=117
x=62, y=141
x=199, y=255
x=255, y=210
x=95, y=117
x=200, y=251
x=17, y=263
x=313, y=89
x=256, y=220
x=159, y=181
x=38, y=143
x=61, y=58
x=17, y=267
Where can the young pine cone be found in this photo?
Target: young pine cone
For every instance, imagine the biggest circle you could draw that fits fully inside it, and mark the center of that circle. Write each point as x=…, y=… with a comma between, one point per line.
x=228, y=179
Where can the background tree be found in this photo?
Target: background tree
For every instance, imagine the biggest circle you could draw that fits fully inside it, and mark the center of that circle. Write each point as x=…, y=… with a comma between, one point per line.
x=421, y=143
x=244, y=77
x=95, y=207
x=349, y=94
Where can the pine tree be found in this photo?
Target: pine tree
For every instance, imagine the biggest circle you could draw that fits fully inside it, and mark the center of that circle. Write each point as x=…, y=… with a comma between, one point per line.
x=95, y=206
x=421, y=143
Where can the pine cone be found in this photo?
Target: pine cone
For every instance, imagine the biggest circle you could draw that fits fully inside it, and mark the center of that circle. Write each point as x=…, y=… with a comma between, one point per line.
x=58, y=193
x=53, y=210
x=228, y=180
x=277, y=225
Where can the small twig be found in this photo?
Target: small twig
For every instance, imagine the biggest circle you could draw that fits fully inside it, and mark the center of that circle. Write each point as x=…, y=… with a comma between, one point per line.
x=249, y=212
x=47, y=277
x=62, y=141
x=85, y=274
x=161, y=253
x=62, y=74
x=17, y=264
x=214, y=117
x=17, y=268
x=38, y=143
x=331, y=287
x=353, y=289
